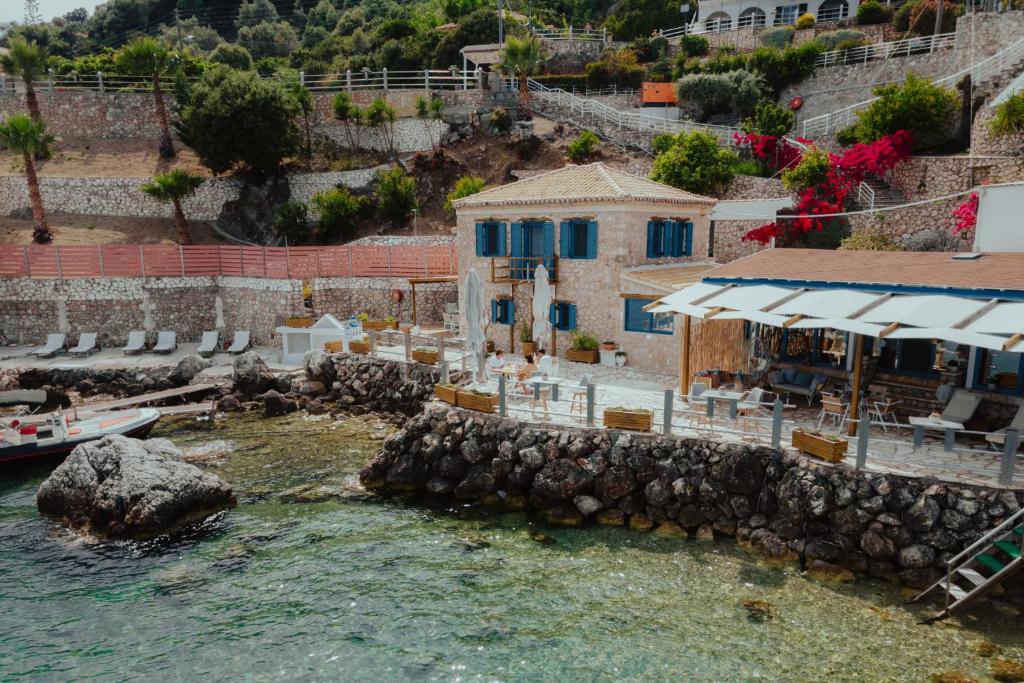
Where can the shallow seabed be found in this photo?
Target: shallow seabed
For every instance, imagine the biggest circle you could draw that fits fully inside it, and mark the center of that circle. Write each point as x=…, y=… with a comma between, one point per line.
x=324, y=582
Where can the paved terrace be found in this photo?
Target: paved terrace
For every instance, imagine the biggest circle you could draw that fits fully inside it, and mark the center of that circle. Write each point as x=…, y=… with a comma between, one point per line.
x=892, y=452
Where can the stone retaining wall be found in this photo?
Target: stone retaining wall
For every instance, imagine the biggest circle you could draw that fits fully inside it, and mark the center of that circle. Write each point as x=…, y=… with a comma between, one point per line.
x=787, y=507
x=32, y=308
x=344, y=296
x=122, y=197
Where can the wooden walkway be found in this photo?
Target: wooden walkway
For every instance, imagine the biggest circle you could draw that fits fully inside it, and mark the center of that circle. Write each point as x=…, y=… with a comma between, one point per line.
x=147, y=398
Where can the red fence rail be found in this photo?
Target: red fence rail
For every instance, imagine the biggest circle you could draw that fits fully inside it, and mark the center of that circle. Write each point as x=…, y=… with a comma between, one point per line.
x=160, y=260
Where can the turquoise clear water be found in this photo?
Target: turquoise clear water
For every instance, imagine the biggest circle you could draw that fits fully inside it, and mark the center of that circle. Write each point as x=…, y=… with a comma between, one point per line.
x=353, y=587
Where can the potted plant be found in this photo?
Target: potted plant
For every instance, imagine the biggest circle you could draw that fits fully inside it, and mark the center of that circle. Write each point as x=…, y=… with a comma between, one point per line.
x=446, y=393
x=526, y=339
x=825, y=446
x=582, y=347
x=333, y=347
x=490, y=346
x=388, y=322
x=638, y=419
x=608, y=345
x=425, y=355
x=362, y=317
x=482, y=401
x=359, y=346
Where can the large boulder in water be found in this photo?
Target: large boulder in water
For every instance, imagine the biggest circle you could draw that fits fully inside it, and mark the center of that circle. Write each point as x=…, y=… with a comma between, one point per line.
x=250, y=374
x=187, y=369
x=319, y=367
x=123, y=487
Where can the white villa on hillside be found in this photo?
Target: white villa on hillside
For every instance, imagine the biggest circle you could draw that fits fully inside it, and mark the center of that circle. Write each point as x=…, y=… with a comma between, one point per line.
x=725, y=15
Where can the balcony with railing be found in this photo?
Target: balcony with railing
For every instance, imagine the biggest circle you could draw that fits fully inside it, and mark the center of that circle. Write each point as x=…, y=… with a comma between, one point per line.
x=522, y=268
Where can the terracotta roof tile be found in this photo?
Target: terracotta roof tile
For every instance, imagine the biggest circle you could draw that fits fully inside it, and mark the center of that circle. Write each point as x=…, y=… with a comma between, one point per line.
x=998, y=271
x=590, y=183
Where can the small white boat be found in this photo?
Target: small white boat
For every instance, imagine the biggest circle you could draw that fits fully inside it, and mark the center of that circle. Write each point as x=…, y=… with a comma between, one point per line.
x=27, y=438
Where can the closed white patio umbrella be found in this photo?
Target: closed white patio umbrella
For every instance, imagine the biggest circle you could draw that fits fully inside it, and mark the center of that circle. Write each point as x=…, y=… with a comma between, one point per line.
x=476, y=312
x=541, y=305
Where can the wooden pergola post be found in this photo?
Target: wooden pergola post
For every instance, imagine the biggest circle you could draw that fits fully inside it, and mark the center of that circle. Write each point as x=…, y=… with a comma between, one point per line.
x=412, y=286
x=684, y=360
x=858, y=367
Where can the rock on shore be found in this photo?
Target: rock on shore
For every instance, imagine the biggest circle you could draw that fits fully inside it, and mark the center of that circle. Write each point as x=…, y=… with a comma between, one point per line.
x=121, y=487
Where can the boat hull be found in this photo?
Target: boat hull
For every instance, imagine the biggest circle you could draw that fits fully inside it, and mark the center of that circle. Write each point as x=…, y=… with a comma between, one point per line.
x=139, y=427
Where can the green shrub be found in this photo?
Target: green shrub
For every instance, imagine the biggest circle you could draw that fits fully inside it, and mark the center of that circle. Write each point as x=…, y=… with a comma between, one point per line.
x=235, y=56
x=783, y=68
x=810, y=172
x=922, y=17
x=876, y=238
x=847, y=136
x=661, y=142
x=901, y=17
x=464, y=187
x=583, y=147
x=563, y=81
x=769, y=119
x=873, y=12
x=694, y=46
x=695, y=162
x=339, y=211
x=805, y=21
x=777, y=37
x=583, y=341
x=660, y=71
x=292, y=222
x=735, y=91
x=851, y=43
x=620, y=68
x=500, y=120
x=396, y=195
x=1008, y=117
x=749, y=167
x=831, y=40
x=924, y=109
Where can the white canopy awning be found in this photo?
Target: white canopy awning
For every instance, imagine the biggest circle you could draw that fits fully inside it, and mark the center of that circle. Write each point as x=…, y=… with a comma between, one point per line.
x=986, y=323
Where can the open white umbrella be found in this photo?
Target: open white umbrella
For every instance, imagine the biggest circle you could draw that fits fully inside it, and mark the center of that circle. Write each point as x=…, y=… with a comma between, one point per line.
x=541, y=305
x=475, y=310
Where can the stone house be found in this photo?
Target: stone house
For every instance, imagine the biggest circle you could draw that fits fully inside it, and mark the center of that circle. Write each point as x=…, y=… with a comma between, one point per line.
x=612, y=243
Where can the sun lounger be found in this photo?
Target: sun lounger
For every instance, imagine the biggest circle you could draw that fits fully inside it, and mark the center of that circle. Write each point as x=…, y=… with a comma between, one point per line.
x=54, y=343
x=961, y=407
x=136, y=342
x=166, y=342
x=240, y=344
x=208, y=344
x=86, y=344
x=998, y=439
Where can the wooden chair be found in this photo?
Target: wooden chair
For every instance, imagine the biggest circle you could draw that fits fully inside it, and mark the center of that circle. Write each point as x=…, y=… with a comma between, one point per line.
x=883, y=413
x=750, y=411
x=833, y=407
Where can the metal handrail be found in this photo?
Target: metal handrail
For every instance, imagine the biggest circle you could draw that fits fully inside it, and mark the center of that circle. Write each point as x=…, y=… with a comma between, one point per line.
x=882, y=51
x=984, y=540
x=865, y=195
x=833, y=121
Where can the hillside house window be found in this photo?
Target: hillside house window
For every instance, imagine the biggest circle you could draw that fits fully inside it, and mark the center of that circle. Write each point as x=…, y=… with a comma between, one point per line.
x=639, y=320
x=577, y=239
x=787, y=14
x=1001, y=371
x=503, y=312
x=563, y=316
x=669, y=238
x=490, y=238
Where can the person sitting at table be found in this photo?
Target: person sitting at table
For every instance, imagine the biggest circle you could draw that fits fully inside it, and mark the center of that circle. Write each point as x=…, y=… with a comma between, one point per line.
x=545, y=364
x=525, y=373
x=495, y=363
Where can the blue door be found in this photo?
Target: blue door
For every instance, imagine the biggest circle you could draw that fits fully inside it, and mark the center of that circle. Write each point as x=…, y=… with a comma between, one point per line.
x=538, y=247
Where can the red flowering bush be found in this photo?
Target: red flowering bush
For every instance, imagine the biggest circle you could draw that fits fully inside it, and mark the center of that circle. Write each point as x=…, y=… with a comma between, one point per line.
x=967, y=213
x=773, y=151
x=829, y=195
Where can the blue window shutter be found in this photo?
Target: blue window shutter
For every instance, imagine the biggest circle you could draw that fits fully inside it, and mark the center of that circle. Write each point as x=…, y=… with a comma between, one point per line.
x=549, y=239
x=666, y=238
x=678, y=239
x=510, y=311
x=517, y=239
x=563, y=239
x=651, y=230
x=572, y=316
x=553, y=315
x=688, y=225
x=592, y=239
x=494, y=310
x=480, y=239
x=501, y=239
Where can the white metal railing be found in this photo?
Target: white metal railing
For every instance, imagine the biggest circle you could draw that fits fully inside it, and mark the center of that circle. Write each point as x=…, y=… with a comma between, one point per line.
x=833, y=14
x=633, y=120
x=865, y=195
x=877, y=51
x=571, y=34
x=426, y=79
x=826, y=124
x=756, y=19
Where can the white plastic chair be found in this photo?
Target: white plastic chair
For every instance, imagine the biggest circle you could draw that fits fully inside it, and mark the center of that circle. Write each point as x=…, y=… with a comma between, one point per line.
x=166, y=341
x=54, y=342
x=208, y=344
x=86, y=344
x=136, y=342
x=240, y=344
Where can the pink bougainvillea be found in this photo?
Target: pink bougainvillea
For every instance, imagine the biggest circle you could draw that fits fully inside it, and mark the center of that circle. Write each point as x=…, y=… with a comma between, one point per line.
x=967, y=215
x=775, y=152
x=829, y=196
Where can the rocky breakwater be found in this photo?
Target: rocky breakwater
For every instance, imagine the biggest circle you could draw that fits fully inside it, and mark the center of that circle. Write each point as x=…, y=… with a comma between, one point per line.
x=90, y=381
x=121, y=487
x=830, y=519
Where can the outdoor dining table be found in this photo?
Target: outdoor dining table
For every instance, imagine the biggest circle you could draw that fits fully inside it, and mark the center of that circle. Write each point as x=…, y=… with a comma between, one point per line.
x=949, y=430
x=550, y=382
x=733, y=398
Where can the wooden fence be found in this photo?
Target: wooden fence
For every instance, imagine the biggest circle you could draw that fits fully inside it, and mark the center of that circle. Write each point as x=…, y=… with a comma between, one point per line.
x=160, y=260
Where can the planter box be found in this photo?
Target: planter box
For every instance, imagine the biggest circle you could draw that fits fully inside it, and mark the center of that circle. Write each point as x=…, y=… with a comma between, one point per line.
x=484, y=403
x=333, y=347
x=490, y=347
x=358, y=347
x=627, y=419
x=582, y=356
x=447, y=393
x=529, y=347
x=379, y=325
x=300, y=322
x=826, y=449
x=425, y=357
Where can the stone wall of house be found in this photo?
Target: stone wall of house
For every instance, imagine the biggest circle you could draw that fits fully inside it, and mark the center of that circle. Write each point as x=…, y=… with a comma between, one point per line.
x=984, y=143
x=31, y=308
x=381, y=297
x=783, y=505
x=749, y=38
x=728, y=235
x=122, y=197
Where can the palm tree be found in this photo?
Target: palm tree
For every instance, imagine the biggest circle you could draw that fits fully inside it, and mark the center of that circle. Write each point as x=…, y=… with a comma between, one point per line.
x=26, y=61
x=148, y=57
x=521, y=58
x=23, y=134
x=173, y=186
x=307, y=105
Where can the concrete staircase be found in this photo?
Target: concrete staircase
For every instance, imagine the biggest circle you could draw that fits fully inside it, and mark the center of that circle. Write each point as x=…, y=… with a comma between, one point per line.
x=874, y=193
